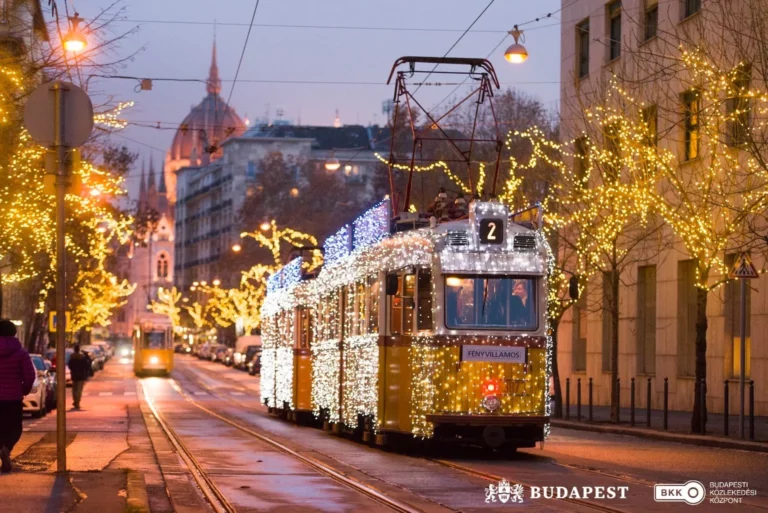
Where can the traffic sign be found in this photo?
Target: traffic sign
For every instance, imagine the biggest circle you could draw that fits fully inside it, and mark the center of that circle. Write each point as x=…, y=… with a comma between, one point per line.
x=77, y=111
x=743, y=268
x=52, y=321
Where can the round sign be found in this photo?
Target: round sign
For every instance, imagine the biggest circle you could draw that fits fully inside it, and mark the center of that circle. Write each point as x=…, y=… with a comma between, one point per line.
x=77, y=113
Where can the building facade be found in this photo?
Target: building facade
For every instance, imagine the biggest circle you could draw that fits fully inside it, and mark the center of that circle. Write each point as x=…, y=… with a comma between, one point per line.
x=148, y=260
x=210, y=197
x=657, y=297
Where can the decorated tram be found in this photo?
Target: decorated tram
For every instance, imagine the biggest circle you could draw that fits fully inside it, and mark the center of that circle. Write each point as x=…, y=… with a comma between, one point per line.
x=152, y=345
x=439, y=330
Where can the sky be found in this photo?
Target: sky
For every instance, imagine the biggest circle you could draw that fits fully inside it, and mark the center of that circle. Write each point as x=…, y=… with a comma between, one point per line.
x=174, y=40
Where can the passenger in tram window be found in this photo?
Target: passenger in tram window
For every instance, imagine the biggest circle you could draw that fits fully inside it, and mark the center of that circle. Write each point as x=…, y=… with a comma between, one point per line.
x=521, y=291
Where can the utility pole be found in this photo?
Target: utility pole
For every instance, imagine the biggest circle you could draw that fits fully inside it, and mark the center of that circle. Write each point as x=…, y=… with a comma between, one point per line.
x=59, y=115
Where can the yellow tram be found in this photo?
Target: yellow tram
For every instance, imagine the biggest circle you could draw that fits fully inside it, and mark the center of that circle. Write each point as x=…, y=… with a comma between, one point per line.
x=436, y=331
x=152, y=345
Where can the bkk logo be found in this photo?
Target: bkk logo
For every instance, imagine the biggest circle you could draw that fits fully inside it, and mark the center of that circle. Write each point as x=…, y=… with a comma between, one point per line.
x=692, y=492
x=505, y=492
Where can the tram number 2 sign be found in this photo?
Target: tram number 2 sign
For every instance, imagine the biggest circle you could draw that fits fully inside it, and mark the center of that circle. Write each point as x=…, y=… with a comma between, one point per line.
x=491, y=231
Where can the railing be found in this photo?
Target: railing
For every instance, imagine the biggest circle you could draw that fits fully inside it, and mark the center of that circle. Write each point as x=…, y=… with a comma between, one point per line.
x=633, y=391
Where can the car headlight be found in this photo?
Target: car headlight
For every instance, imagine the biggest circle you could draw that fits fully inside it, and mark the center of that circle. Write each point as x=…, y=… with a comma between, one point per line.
x=125, y=351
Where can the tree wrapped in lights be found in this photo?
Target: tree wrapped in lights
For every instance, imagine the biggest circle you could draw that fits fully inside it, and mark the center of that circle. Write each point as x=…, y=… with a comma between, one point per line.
x=271, y=237
x=167, y=303
x=599, y=211
x=241, y=304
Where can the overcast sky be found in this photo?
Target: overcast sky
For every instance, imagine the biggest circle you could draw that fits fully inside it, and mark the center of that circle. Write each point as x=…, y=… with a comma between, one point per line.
x=175, y=39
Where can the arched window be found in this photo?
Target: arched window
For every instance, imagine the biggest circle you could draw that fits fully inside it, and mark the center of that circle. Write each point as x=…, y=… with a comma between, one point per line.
x=162, y=266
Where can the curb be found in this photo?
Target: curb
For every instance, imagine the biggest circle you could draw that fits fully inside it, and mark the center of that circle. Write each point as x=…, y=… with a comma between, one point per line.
x=138, y=501
x=706, y=441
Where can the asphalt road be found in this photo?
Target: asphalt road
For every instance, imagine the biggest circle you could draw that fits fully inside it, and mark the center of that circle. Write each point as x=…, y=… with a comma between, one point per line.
x=257, y=478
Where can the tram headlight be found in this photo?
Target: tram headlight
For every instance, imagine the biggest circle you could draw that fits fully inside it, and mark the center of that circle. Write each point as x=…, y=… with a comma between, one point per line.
x=125, y=352
x=154, y=360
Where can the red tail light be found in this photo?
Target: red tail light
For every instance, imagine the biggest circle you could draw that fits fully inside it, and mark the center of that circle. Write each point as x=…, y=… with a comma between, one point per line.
x=491, y=387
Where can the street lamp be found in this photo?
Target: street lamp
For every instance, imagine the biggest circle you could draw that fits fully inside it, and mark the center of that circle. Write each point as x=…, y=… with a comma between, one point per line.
x=516, y=53
x=236, y=248
x=332, y=164
x=74, y=41
x=216, y=282
x=265, y=225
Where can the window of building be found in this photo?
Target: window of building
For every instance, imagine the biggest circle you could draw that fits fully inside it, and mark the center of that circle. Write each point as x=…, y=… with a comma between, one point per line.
x=738, y=111
x=251, y=171
x=582, y=48
x=733, y=323
x=614, y=30
x=686, y=318
x=651, y=19
x=650, y=120
x=580, y=332
x=607, y=321
x=692, y=107
x=162, y=266
x=691, y=7
x=646, y=319
x=580, y=156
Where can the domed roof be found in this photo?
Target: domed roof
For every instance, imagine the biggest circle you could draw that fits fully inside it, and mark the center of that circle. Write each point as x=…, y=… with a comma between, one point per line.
x=208, y=124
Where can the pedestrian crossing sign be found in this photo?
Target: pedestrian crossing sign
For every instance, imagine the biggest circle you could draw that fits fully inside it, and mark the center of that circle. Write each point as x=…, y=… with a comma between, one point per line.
x=743, y=268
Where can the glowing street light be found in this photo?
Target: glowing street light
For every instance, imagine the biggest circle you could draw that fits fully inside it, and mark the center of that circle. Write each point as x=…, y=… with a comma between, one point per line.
x=516, y=53
x=265, y=225
x=216, y=282
x=236, y=248
x=74, y=40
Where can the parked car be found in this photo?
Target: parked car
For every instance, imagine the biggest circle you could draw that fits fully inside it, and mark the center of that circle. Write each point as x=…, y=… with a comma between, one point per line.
x=97, y=356
x=53, y=382
x=254, y=366
x=35, y=401
x=51, y=355
x=229, y=357
x=46, y=379
x=106, y=347
x=217, y=355
x=251, y=352
x=204, y=352
x=243, y=345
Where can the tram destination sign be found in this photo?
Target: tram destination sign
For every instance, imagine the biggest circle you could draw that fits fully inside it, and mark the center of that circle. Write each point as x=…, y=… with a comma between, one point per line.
x=496, y=354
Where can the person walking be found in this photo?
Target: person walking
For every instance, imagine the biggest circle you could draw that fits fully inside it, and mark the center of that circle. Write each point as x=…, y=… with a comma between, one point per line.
x=80, y=368
x=17, y=376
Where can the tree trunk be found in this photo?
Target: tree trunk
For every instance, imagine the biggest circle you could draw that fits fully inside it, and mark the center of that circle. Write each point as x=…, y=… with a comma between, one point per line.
x=556, y=372
x=613, y=304
x=701, y=361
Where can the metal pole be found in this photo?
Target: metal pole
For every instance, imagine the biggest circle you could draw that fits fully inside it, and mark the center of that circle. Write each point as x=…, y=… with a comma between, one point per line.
x=666, y=403
x=703, y=391
x=61, y=296
x=567, y=398
x=648, y=404
x=578, y=399
x=751, y=409
x=618, y=400
x=742, y=355
x=590, y=399
x=632, y=403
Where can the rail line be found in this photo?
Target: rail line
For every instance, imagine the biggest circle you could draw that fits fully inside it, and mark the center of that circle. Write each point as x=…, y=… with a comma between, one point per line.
x=214, y=495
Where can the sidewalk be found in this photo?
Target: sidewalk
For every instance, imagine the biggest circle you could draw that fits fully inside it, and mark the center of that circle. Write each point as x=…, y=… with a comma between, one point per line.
x=679, y=427
x=110, y=461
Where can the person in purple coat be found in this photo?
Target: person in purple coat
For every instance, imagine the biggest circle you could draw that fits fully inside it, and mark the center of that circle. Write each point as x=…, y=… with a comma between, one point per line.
x=17, y=375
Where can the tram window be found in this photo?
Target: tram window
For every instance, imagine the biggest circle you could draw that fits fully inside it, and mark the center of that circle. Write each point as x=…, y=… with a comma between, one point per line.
x=408, y=302
x=396, y=309
x=425, y=300
x=373, y=305
x=360, y=301
x=305, y=328
x=154, y=340
x=490, y=303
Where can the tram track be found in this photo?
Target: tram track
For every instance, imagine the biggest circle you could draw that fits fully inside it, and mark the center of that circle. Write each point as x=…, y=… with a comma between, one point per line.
x=214, y=495
x=486, y=476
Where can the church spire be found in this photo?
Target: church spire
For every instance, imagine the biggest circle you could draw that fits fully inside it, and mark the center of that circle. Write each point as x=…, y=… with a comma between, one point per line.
x=214, y=82
x=163, y=187
x=151, y=182
x=142, y=183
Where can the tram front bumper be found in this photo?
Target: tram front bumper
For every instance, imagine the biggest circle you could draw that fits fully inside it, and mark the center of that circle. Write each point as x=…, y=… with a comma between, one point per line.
x=492, y=430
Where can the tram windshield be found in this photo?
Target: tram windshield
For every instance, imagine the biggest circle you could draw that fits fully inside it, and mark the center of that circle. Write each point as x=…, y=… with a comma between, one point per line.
x=482, y=302
x=154, y=340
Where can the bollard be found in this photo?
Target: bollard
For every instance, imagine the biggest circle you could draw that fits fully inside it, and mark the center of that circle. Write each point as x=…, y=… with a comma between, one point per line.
x=567, y=398
x=618, y=400
x=648, y=402
x=590, y=399
x=578, y=399
x=725, y=407
x=751, y=409
x=666, y=403
x=703, y=392
x=632, y=403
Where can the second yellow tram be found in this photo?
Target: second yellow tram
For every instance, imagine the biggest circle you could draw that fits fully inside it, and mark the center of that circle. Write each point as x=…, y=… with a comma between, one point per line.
x=152, y=345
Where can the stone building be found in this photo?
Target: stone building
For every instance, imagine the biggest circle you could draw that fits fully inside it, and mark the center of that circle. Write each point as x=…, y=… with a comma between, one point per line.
x=658, y=296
